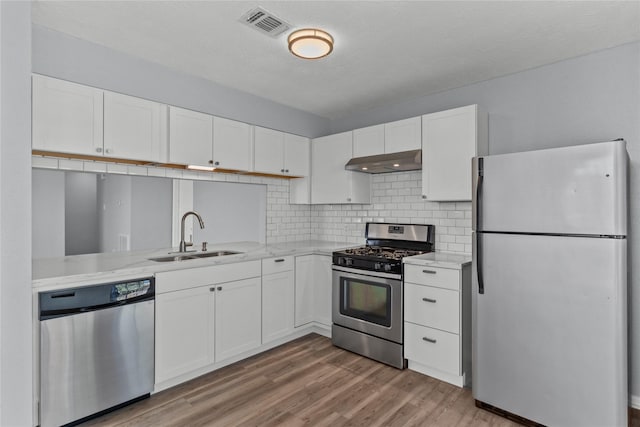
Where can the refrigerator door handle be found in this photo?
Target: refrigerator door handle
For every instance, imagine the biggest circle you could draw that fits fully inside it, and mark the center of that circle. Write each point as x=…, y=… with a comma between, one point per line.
x=476, y=224
x=478, y=259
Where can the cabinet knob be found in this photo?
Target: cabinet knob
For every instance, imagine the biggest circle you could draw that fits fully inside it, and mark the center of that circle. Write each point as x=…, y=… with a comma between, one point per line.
x=348, y=199
x=431, y=340
x=212, y=289
x=424, y=196
x=219, y=288
x=216, y=163
x=108, y=150
x=286, y=170
x=210, y=162
x=282, y=170
x=99, y=149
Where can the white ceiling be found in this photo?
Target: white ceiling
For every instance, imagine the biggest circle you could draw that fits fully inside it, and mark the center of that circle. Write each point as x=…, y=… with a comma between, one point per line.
x=385, y=51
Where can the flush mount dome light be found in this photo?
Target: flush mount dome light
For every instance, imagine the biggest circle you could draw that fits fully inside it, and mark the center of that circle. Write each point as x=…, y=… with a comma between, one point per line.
x=310, y=43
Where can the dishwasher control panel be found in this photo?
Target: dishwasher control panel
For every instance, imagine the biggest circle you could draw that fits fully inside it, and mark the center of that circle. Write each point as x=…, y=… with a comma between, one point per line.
x=95, y=297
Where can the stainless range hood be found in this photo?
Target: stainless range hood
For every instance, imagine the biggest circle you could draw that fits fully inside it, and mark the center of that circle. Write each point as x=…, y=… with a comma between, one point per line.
x=391, y=162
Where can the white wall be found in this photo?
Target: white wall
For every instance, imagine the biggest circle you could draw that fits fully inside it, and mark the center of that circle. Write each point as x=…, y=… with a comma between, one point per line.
x=151, y=213
x=16, y=379
x=587, y=99
x=231, y=212
x=58, y=55
x=80, y=214
x=48, y=234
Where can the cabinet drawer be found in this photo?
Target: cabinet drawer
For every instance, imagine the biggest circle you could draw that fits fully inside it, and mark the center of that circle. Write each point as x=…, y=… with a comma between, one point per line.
x=434, y=307
x=432, y=276
x=194, y=277
x=431, y=347
x=277, y=264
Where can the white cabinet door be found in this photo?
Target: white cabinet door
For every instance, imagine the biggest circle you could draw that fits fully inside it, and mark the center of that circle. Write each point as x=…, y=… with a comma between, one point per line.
x=368, y=141
x=231, y=144
x=304, y=290
x=268, y=151
x=238, y=317
x=134, y=128
x=450, y=139
x=322, y=289
x=402, y=135
x=330, y=182
x=296, y=155
x=190, y=137
x=313, y=290
x=184, y=331
x=67, y=117
x=277, y=305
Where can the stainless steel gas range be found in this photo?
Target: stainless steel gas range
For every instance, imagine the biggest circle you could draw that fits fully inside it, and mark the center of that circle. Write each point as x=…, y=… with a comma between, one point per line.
x=367, y=294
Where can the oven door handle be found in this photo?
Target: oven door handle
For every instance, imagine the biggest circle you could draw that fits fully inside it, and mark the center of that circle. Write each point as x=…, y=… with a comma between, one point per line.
x=367, y=273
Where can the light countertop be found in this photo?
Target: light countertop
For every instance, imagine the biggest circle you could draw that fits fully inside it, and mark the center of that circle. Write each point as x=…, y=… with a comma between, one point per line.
x=96, y=268
x=439, y=259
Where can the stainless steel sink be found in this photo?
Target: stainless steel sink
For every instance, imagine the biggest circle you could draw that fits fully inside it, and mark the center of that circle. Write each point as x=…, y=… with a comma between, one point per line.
x=187, y=256
x=214, y=253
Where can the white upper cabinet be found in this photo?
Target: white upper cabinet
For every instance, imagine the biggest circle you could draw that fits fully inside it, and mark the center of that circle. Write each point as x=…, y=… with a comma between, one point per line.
x=231, y=144
x=280, y=153
x=368, y=141
x=450, y=139
x=268, y=150
x=402, y=135
x=67, y=117
x=393, y=137
x=190, y=137
x=330, y=182
x=134, y=128
x=296, y=155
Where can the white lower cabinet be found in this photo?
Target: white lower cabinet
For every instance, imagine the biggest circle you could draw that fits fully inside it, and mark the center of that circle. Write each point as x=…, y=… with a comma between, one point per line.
x=204, y=316
x=313, y=290
x=277, y=298
x=437, y=322
x=237, y=318
x=184, y=332
x=210, y=316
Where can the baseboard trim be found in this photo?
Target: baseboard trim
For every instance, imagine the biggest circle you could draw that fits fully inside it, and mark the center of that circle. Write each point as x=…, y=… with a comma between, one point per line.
x=634, y=401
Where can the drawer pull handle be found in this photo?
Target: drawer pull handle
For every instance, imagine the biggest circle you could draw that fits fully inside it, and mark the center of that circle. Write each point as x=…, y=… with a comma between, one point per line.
x=431, y=340
x=279, y=260
x=429, y=271
x=428, y=300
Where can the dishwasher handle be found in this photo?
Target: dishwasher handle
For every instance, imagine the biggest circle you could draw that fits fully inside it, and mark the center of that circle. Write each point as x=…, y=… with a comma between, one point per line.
x=52, y=314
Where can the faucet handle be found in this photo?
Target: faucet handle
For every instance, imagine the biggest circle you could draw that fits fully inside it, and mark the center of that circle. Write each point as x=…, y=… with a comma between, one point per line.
x=204, y=246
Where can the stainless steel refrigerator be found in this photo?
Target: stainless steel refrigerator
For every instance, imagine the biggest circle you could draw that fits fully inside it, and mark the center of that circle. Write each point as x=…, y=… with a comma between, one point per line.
x=550, y=284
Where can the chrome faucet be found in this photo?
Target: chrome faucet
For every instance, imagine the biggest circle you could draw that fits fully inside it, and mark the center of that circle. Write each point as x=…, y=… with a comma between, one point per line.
x=183, y=244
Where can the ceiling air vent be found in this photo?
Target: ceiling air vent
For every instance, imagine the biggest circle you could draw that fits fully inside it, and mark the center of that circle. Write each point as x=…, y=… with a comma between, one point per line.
x=265, y=22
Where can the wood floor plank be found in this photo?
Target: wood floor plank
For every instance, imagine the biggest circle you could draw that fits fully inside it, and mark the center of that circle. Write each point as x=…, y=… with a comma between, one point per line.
x=309, y=382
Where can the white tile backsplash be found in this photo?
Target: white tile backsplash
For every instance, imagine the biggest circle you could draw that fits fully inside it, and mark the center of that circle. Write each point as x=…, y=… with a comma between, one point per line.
x=396, y=197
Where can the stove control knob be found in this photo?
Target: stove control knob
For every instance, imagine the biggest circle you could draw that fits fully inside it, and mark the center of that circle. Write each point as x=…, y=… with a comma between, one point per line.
x=348, y=261
x=377, y=266
x=387, y=267
x=341, y=260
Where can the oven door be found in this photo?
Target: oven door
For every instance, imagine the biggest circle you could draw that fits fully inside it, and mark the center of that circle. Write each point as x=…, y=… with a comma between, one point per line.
x=368, y=302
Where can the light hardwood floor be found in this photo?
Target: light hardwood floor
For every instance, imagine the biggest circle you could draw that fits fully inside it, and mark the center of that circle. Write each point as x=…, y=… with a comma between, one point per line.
x=307, y=382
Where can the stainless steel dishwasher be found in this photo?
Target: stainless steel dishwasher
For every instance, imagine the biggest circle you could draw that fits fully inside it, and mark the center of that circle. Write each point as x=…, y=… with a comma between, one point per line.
x=96, y=349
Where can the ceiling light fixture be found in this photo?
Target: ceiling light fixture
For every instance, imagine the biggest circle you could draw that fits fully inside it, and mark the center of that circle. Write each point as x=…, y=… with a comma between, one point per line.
x=310, y=43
